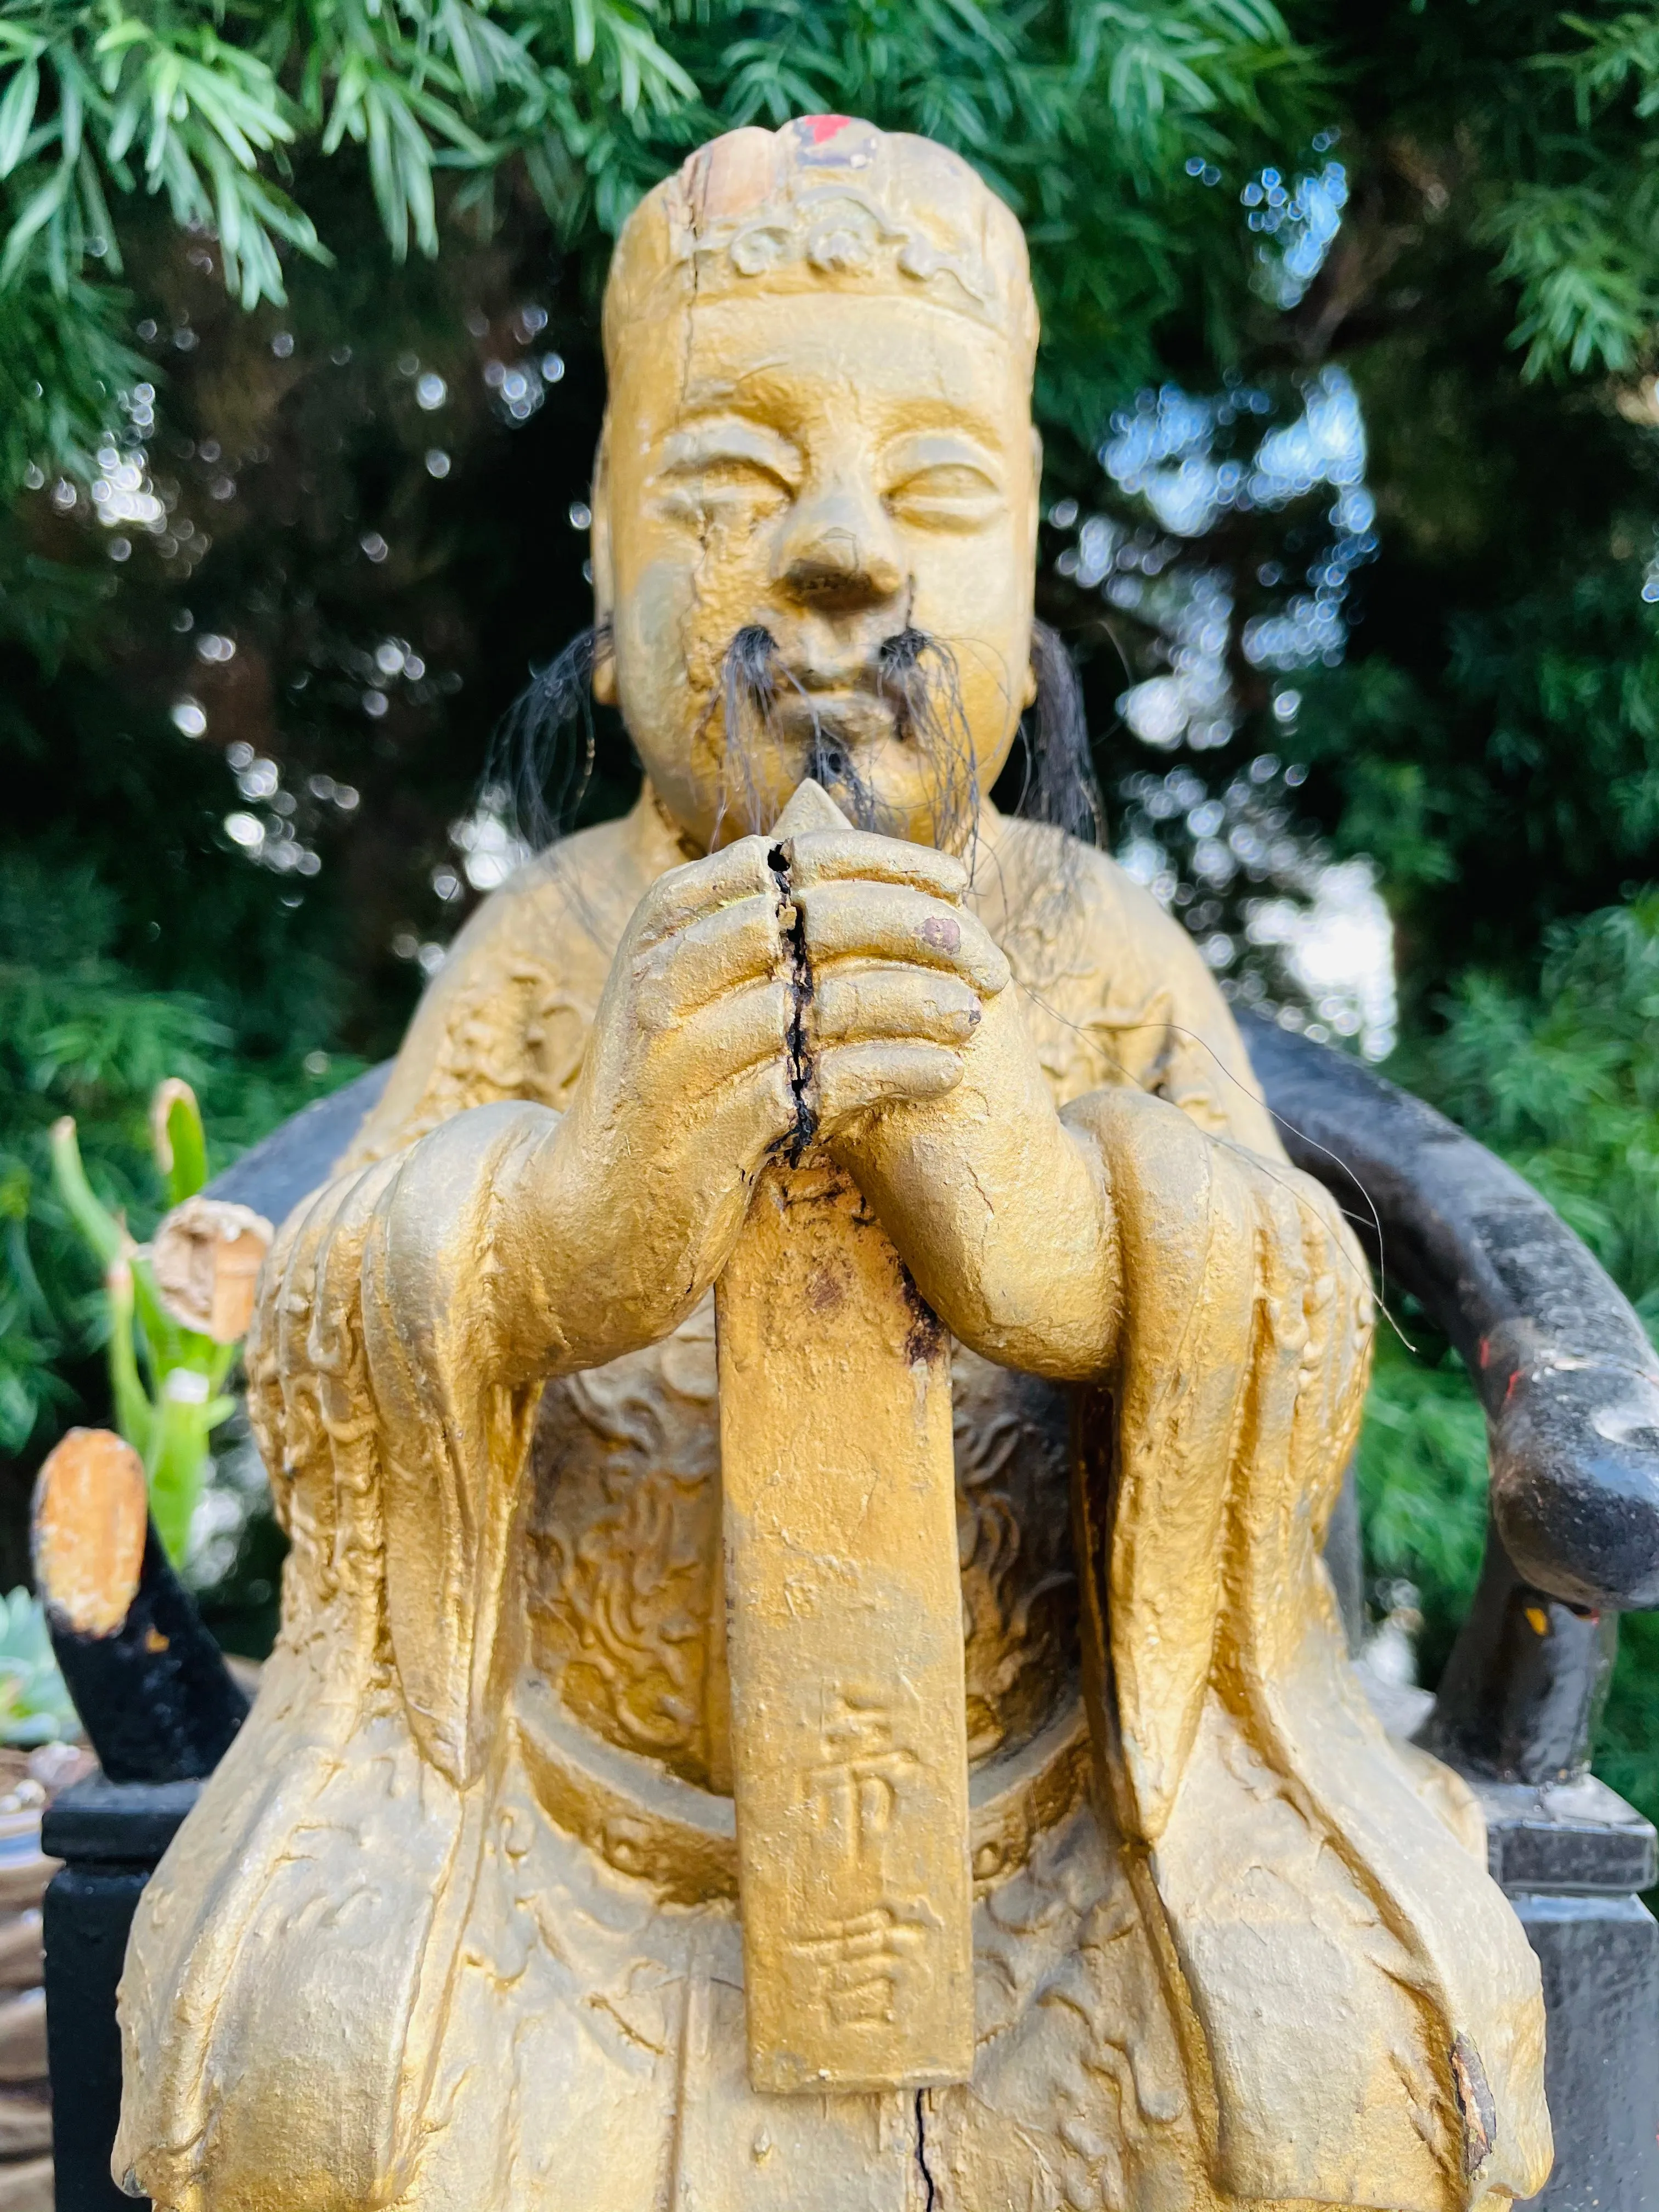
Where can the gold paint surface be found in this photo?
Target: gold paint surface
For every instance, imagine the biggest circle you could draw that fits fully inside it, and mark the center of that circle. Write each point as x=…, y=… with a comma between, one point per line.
x=849, y=1747
x=522, y=1873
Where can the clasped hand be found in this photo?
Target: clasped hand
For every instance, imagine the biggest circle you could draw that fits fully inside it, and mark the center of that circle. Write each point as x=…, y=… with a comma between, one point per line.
x=860, y=987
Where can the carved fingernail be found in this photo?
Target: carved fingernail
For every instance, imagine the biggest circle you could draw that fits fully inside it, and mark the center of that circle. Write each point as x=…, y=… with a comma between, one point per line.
x=943, y=931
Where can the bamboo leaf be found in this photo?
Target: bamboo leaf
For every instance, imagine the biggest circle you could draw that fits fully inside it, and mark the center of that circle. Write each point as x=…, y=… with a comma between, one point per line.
x=38, y=210
x=17, y=115
x=70, y=111
x=163, y=88
x=124, y=128
x=96, y=208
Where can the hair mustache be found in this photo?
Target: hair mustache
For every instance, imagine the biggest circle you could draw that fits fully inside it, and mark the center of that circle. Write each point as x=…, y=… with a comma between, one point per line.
x=542, y=755
x=915, y=673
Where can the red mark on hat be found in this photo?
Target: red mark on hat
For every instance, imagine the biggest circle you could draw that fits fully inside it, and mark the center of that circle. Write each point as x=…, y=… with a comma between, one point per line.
x=817, y=128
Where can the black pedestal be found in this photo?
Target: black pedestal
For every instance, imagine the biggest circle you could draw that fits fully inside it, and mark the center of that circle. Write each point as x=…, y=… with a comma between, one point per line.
x=1570, y=1857
x=110, y=1836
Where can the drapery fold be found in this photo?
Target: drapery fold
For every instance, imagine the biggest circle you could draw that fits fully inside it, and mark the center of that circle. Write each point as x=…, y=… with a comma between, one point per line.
x=306, y=1924
x=1365, y=2005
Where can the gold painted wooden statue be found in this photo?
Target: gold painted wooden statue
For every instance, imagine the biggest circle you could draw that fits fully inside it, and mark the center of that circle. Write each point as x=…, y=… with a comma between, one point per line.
x=807, y=1422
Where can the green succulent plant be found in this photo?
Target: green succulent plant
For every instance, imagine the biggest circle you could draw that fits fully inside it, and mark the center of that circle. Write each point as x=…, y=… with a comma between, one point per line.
x=34, y=1703
x=166, y=1381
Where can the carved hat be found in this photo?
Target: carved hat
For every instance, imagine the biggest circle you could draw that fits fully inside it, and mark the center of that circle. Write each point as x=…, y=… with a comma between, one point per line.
x=826, y=197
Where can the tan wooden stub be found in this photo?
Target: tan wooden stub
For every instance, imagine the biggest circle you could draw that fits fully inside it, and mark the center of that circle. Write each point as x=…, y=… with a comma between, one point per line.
x=844, y=1607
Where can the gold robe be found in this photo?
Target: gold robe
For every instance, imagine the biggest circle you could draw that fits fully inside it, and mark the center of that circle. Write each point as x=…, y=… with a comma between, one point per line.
x=454, y=1924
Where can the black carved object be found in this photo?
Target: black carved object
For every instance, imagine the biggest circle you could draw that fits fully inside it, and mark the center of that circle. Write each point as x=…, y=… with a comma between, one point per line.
x=1565, y=1371
x=273, y=1176
x=1527, y=1677
x=110, y=1836
x=157, y=1699
x=150, y=1684
x=1563, y=1368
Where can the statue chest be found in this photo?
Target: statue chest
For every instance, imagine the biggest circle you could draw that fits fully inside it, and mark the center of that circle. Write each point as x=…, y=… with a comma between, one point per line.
x=623, y=1569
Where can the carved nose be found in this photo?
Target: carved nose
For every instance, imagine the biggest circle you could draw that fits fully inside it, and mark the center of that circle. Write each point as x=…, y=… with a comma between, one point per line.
x=841, y=550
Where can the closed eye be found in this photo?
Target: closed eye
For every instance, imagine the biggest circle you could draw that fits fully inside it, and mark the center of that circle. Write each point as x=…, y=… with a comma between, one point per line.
x=731, y=472
x=723, y=491
x=946, y=495
x=720, y=466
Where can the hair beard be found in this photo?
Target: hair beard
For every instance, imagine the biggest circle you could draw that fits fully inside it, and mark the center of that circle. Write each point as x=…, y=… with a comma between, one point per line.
x=541, y=758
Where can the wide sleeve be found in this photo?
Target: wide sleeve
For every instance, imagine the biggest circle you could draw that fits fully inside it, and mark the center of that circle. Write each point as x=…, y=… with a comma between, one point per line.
x=1356, y=1988
x=295, y=1949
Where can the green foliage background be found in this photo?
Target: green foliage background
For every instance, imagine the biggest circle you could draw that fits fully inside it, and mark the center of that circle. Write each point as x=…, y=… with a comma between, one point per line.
x=276, y=220
x=1563, y=1081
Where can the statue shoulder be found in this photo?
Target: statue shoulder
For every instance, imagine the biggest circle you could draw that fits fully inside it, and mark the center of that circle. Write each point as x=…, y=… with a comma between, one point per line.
x=1075, y=907
x=568, y=905
x=506, y=1015
x=1120, y=905
x=1154, y=998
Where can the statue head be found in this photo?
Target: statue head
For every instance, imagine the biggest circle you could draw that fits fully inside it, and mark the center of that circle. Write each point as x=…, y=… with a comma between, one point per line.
x=815, y=505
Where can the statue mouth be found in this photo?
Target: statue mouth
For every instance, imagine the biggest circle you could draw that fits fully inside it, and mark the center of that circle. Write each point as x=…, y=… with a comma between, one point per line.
x=839, y=718
x=853, y=716
x=885, y=691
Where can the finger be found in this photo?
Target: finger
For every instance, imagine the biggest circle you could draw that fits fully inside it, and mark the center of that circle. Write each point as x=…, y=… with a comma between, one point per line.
x=892, y=922
x=679, y=972
x=756, y=1111
x=851, y=1079
x=820, y=856
x=855, y=1004
x=737, y=1032
x=738, y=870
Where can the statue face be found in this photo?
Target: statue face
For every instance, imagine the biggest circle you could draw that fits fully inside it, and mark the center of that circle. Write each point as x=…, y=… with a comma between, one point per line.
x=836, y=469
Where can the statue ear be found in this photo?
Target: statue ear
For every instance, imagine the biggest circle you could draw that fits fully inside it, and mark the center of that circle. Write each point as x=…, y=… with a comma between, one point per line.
x=1028, y=695
x=605, y=594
